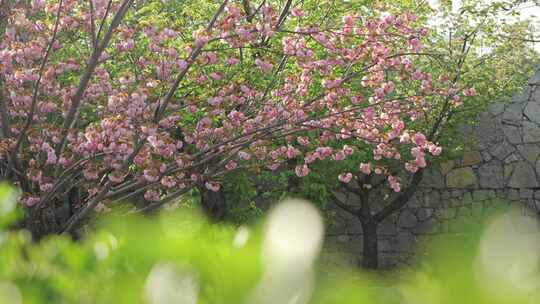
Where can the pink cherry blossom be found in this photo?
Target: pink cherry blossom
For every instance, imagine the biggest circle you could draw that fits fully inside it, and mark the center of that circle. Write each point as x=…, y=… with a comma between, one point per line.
x=231, y=165
x=30, y=201
x=244, y=155
x=303, y=141
x=419, y=139
x=116, y=177
x=151, y=175
x=405, y=138
x=469, y=92
x=340, y=155
x=348, y=150
x=394, y=183
x=151, y=195
x=168, y=181
x=365, y=168
x=266, y=67
x=301, y=170
x=296, y=12
x=345, y=177
x=212, y=186
x=292, y=152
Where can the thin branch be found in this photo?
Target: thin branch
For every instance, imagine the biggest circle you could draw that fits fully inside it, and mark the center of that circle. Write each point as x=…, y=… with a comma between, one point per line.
x=247, y=10
x=344, y=206
x=5, y=11
x=92, y=23
x=77, y=217
x=284, y=14
x=102, y=24
x=4, y=115
x=402, y=199
x=167, y=199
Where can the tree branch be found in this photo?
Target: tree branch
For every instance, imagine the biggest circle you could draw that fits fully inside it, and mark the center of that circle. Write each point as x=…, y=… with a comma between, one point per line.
x=402, y=199
x=284, y=14
x=4, y=114
x=5, y=131
x=343, y=205
x=77, y=217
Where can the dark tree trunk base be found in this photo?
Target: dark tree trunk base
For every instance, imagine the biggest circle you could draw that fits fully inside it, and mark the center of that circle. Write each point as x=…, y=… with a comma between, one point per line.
x=213, y=204
x=370, y=253
x=42, y=221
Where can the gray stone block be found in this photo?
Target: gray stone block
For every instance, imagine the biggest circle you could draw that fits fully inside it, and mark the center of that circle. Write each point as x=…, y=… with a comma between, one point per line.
x=477, y=208
x=433, y=179
x=480, y=195
x=407, y=219
x=430, y=226
x=447, y=213
x=415, y=201
x=457, y=193
x=486, y=156
x=432, y=199
x=405, y=241
x=512, y=133
x=385, y=245
x=526, y=193
x=387, y=228
x=471, y=158
x=512, y=194
x=531, y=132
x=535, y=79
x=501, y=150
x=424, y=214
x=445, y=194
x=461, y=178
x=496, y=108
x=463, y=212
x=529, y=152
x=467, y=197
x=513, y=113
x=532, y=111
x=523, y=176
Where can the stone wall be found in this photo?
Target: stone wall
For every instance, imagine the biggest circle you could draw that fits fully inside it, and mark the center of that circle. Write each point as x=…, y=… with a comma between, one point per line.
x=500, y=170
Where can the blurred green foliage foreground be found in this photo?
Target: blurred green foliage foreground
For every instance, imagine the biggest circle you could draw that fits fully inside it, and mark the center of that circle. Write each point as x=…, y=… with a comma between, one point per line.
x=179, y=258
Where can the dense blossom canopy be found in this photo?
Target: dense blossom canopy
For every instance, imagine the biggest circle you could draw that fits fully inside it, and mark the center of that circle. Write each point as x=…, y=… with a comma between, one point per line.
x=93, y=98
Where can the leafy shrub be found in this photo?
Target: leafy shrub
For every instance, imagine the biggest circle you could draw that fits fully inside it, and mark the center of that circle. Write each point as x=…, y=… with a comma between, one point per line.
x=179, y=258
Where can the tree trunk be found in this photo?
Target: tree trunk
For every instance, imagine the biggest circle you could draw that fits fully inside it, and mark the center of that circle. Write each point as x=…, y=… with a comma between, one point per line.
x=42, y=221
x=213, y=204
x=370, y=253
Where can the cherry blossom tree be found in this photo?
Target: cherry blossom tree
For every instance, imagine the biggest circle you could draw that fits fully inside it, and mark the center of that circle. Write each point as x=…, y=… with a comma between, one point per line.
x=100, y=103
x=470, y=47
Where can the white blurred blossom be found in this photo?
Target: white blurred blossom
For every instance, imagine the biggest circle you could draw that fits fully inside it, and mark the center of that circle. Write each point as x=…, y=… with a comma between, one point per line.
x=168, y=283
x=509, y=255
x=292, y=241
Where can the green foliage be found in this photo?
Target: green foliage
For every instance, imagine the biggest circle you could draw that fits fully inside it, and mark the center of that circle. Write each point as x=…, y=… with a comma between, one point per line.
x=9, y=212
x=241, y=214
x=161, y=259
